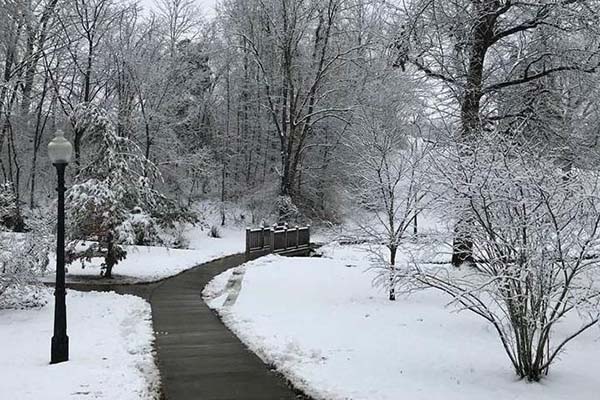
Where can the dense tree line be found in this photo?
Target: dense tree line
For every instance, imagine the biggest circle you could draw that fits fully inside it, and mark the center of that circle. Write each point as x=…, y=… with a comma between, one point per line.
x=260, y=98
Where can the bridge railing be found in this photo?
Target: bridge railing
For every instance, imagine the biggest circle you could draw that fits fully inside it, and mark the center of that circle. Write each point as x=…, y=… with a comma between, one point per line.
x=277, y=239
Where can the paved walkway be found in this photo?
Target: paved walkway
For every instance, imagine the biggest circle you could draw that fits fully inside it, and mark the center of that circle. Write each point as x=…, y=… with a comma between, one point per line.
x=199, y=358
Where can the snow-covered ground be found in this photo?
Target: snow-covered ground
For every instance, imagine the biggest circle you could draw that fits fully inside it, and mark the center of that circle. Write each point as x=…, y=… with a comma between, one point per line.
x=321, y=323
x=148, y=264
x=110, y=351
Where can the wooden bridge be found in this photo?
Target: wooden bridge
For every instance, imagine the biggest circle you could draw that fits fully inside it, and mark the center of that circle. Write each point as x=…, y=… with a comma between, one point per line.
x=278, y=240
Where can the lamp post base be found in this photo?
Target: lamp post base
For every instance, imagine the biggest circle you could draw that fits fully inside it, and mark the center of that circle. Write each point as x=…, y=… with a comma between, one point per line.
x=60, y=349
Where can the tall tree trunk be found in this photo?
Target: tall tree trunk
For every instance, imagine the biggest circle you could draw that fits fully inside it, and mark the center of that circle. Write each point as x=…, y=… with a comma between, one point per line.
x=393, y=249
x=110, y=259
x=224, y=147
x=40, y=124
x=483, y=32
x=87, y=82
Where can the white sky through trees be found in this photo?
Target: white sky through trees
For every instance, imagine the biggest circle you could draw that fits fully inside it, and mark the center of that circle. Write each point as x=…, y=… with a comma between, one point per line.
x=207, y=6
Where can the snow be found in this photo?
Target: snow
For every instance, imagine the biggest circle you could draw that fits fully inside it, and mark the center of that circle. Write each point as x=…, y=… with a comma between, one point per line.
x=323, y=325
x=232, y=240
x=111, y=353
x=150, y=264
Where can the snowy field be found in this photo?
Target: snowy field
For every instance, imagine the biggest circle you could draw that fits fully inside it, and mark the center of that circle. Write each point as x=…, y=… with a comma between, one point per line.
x=149, y=264
x=322, y=324
x=110, y=351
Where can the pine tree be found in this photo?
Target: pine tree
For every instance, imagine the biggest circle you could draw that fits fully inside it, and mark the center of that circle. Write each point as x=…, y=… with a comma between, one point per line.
x=113, y=195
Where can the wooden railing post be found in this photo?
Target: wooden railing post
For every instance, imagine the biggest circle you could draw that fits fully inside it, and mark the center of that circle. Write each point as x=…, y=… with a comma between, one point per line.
x=297, y=236
x=285, y=238
x=247, y=243
x=272, y=244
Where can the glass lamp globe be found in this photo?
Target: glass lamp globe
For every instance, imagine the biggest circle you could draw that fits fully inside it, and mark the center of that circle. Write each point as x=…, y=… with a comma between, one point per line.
x=60, y=149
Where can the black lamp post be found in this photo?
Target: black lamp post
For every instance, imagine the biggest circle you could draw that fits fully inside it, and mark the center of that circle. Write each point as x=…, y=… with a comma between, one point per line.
x=60, y=150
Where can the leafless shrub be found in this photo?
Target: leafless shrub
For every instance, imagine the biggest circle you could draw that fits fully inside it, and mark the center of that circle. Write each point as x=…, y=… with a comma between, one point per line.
x=536, y=230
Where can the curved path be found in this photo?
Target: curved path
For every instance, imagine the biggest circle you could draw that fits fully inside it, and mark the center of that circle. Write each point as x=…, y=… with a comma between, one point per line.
x=199, y=358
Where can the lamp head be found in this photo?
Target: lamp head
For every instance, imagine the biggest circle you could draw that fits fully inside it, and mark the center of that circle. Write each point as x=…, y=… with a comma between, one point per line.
x=60, y=149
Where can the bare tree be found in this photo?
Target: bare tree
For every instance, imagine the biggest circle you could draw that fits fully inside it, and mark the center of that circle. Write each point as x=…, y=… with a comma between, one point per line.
x=292, y=43
x=181, y=17
x=477, y=49
x=386, y=161
x=85, y=25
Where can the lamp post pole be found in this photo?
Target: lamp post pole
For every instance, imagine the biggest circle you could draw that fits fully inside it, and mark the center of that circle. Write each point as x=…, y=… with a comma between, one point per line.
x=59, y=150
x=60, y=340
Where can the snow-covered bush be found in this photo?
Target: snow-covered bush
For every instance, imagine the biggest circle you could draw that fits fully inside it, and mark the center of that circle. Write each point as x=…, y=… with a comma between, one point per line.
x=176, y=236
x=535, y=232
x=214, y=232
x=142, y=228
x=23, y=258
